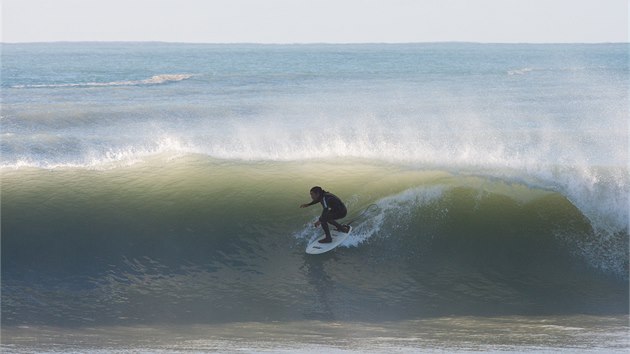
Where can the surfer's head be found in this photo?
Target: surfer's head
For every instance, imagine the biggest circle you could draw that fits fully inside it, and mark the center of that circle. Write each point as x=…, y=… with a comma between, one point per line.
x=316, y=193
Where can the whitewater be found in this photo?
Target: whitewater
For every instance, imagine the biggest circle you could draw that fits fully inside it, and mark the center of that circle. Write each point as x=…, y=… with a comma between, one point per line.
x=150, y=197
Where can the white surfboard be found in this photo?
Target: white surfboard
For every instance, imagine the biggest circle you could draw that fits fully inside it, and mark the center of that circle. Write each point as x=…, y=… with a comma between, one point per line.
x=337, y=238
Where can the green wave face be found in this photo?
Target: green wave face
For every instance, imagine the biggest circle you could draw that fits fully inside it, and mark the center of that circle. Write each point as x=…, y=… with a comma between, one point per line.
x=225, y=240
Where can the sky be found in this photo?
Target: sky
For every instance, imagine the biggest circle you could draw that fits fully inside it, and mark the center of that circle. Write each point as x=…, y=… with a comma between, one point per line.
x=316, y=21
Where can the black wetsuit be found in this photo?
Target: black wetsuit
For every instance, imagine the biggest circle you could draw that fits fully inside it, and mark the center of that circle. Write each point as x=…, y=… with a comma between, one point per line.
x=333, y=209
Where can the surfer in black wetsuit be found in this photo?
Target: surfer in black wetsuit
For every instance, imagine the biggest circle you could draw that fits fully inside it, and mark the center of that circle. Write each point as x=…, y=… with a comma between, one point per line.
x=333, y=209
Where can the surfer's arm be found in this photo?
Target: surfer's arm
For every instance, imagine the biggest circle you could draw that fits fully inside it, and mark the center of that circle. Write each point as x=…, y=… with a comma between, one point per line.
x=309, y=204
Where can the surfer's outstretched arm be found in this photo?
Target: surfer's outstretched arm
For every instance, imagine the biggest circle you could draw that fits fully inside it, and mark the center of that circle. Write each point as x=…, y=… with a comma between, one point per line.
x=309, y=204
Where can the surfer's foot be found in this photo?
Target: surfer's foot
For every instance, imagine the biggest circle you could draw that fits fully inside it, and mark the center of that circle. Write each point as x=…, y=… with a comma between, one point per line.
x=326, y=240
x=344, y=228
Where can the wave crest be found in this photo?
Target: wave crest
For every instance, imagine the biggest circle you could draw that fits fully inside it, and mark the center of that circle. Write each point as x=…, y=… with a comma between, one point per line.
x=153, y=80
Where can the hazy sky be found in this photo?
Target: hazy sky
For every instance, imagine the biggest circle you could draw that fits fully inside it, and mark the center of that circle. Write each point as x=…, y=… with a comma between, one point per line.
x=303, y=21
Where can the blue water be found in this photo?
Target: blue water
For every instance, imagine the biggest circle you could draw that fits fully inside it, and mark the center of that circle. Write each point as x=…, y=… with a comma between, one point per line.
x=153, y=184
x=438, y=103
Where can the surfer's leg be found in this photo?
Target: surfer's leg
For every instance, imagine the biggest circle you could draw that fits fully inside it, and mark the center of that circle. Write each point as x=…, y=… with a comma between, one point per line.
x=339, y=215
x=328, y=238
x=325, y=219
x=343, y=228
x=335, y=224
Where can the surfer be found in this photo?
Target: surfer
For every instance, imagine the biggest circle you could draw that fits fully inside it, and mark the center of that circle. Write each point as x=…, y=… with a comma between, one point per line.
x=333, y=209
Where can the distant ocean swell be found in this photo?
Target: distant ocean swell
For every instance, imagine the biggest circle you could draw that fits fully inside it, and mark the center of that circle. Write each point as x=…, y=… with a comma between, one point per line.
x=154, y=80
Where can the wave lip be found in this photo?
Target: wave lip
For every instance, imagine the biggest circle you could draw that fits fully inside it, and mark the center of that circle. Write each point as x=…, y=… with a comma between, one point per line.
x=153, y=80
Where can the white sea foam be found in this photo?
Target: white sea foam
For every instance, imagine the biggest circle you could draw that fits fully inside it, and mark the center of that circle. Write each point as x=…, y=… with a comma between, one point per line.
x=154, y=80
x=108, y=159
x=396, y=206
x=521, y=71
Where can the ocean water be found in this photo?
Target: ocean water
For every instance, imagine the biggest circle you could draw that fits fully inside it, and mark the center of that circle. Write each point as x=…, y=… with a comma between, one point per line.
x=150, y=197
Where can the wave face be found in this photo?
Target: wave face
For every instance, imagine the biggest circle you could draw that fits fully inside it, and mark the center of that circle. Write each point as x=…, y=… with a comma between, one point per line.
x=207, y=240
x=498, y=173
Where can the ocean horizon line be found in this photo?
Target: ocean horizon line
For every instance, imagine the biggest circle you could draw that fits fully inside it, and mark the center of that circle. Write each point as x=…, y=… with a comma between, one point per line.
x=304, y=43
